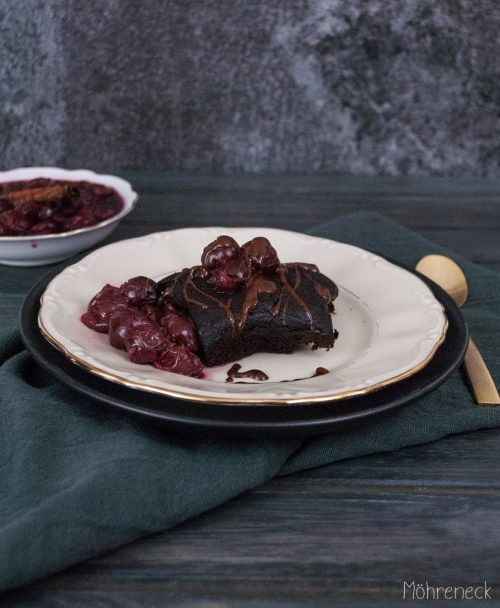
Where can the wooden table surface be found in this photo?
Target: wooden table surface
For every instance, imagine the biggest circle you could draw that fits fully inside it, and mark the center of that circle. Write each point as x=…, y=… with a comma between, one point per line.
x=346, y=534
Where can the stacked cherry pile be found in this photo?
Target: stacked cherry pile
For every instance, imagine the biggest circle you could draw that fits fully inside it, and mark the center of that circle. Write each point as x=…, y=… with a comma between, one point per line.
x=143, y=322
x=228, y=266
x=150, y=330
x=46, y=206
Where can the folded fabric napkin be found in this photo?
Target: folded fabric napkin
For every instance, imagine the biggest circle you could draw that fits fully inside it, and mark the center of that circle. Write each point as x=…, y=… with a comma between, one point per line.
x=77, y=480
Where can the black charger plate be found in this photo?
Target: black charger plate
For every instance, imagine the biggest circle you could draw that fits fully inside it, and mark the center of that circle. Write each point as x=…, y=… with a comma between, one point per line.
x=247, y=420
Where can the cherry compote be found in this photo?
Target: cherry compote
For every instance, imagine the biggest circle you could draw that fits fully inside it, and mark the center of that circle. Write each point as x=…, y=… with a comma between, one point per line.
x=49, y=206
x=150, y=332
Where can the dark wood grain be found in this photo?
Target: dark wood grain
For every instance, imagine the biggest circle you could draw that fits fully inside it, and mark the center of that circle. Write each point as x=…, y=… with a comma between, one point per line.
x=346, y=534
x=354, y=530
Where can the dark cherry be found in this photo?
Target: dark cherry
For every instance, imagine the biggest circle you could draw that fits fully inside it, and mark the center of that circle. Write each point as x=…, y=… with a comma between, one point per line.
x=221, y=281
x=100, y=190
x=44, y=227
x=102, y=306
x=38, y=182
x=261, y=255
x=239, y=269
x=147, y=343
x=123, y=321
x=105, y=210
x=152, y=312
x=82, y=219
x=28, y=210
x=218, y=253
x=182, y=330
x=14, y=223
x=168, y=309
x=72, y=223
x=67, y=207
x=178, y=359
x=45, y=211
x=139, y=290
x=5, y=205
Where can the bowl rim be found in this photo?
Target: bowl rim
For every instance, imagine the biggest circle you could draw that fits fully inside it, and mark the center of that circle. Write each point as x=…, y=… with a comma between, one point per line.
x=122, y=186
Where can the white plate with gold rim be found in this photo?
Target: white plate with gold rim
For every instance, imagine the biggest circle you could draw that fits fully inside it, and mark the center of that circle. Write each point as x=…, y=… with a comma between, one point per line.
x=389, y=322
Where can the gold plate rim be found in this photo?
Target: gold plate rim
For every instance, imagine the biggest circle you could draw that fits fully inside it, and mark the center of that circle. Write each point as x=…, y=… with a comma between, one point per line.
x=192, y=397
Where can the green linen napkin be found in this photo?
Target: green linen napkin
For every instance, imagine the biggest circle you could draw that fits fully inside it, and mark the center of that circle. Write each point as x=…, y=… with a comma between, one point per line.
x=77, y=480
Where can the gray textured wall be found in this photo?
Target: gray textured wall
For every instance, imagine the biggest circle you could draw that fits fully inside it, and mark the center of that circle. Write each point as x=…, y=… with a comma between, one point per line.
x=363, y=86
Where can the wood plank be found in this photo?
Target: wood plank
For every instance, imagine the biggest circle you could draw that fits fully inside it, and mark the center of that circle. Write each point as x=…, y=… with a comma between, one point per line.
x=425, y=211
x=444, y=186
x=354, y=530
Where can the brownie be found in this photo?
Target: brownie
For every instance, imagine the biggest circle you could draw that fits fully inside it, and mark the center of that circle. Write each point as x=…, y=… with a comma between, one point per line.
x=275, y=308
x=239, y=301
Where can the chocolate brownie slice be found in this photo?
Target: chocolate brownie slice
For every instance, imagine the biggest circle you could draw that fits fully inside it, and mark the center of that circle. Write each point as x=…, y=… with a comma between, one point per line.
x=272, y=310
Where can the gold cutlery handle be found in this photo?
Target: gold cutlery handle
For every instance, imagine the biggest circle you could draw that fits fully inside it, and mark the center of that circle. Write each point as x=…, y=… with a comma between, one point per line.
x=480, y=379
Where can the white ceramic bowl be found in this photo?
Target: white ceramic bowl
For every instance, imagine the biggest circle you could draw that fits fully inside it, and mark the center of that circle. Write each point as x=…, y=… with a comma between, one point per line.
x=50, y=248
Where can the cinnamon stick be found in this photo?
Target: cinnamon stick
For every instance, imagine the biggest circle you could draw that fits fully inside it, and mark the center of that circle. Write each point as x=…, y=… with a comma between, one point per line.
x=48, y=194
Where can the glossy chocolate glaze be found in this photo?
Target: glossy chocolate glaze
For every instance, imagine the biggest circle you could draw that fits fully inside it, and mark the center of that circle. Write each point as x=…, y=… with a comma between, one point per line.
x=257, y=285
x=168, y=291
x=301, y=266
x=323, y=292
x=187, y=297
x=220, y=251
x=293, y=291
x=226, y=306
x=261, y=255
x=251, y=302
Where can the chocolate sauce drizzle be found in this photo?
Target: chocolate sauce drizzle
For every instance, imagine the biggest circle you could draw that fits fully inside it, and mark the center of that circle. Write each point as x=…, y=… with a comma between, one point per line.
x=168, y=291
x=257, y=285
x=254, y=374
x=226, y=306
x=323, y=292
x=257, y=374
x=293, y=291
x=301, y=266
x=320, y=371
x=277, y=305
